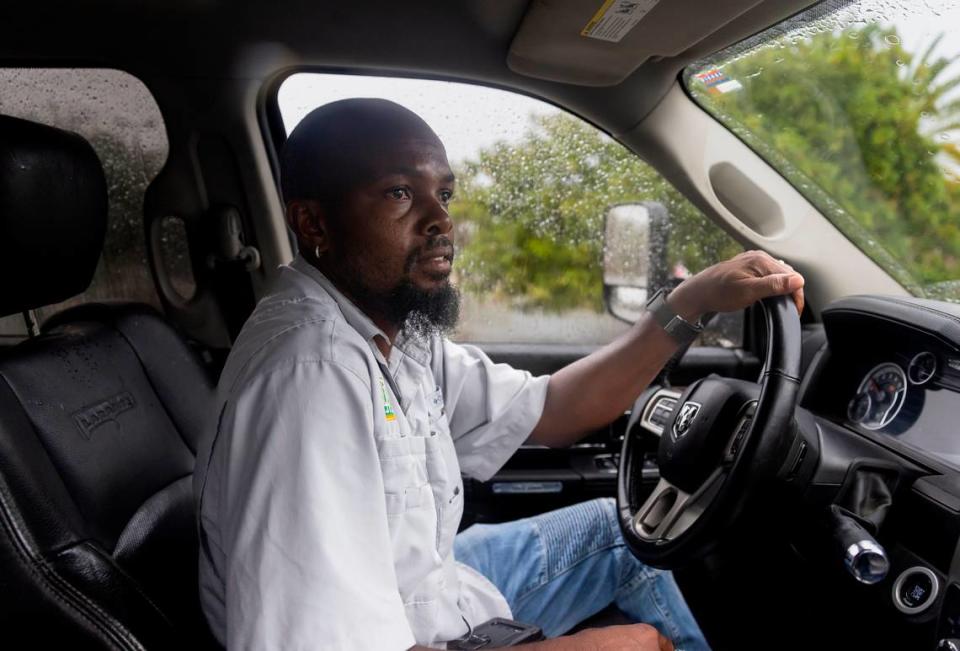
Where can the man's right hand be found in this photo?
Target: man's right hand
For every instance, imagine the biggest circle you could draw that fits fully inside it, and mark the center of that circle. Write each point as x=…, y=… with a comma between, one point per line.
x=637, y=637
x=632, y=637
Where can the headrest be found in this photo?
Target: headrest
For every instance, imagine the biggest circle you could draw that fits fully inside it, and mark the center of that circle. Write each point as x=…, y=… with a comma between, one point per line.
x=53, y=214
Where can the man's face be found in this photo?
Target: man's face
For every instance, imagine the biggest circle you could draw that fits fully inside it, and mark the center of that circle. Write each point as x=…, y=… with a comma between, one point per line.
x=391, y=240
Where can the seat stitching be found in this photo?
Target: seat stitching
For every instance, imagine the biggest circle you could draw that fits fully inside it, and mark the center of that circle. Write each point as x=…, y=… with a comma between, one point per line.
x=61, y=588
x=160, y=400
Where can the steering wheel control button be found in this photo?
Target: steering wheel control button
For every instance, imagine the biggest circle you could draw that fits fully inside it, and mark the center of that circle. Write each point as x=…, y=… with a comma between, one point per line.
x=661, y=413
x=740, y=433
x=867, y=562
x=915, y=590
x=659, y=410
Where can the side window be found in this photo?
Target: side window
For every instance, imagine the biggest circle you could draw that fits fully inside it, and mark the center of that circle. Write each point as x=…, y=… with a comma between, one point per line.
x=533, y=186
x=116, y=113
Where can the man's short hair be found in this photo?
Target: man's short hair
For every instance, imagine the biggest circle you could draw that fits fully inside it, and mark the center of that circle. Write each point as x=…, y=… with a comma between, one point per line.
x=329, y=151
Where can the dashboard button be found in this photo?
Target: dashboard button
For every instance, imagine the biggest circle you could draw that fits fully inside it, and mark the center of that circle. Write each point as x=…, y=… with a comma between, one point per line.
x=915, y=590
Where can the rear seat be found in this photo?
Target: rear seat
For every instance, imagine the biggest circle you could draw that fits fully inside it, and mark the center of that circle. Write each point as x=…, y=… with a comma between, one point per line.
x=100, y=417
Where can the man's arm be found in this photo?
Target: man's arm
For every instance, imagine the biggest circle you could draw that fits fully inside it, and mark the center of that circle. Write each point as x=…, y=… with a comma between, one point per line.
x=593, y=391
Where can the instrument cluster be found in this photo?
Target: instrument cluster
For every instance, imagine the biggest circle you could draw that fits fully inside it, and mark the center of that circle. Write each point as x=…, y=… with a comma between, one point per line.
x=883, y=391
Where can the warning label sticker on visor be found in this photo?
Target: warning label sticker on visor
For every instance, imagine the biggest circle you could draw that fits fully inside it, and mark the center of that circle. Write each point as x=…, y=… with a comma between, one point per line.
x=617, y=17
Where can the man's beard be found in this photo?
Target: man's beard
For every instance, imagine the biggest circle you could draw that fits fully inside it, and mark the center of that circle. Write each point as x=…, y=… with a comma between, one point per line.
x=419, y=313
x=423, y=313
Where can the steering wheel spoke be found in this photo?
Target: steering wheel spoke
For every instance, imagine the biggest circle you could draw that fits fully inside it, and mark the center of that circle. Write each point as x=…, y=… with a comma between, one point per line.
x=669, y=511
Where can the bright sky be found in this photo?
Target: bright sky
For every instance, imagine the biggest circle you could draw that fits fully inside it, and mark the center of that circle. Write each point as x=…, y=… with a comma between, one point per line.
x=465, y=117
x=468, y=118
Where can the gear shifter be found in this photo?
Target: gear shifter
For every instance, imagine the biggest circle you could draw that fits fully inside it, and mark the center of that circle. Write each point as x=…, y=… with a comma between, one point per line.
x=863, y=556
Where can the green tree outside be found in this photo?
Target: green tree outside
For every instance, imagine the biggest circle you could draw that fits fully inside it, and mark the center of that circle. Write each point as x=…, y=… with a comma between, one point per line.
x=530, y=216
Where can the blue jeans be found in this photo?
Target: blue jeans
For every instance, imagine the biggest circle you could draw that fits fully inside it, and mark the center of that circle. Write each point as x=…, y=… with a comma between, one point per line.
x=558, y=568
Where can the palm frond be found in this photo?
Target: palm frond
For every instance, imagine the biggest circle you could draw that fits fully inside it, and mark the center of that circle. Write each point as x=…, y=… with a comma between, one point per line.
x=923, y=60
x=940, y=90
x=952, y=151
x=948, y=126
x=949, y=110
x=929, y=73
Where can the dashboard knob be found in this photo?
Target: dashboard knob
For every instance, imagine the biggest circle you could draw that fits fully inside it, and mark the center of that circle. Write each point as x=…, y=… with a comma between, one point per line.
x=867, y=561
x=863, y=557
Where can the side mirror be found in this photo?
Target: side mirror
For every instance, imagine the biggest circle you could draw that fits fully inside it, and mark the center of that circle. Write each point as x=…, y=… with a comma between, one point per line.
x=635, y=237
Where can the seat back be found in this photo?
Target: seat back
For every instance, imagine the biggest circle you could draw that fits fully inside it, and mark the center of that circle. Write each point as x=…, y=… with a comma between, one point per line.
x=99, y=421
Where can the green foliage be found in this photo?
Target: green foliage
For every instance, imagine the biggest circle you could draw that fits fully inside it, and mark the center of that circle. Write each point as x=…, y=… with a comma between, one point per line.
x=530, y=215
x=861, y=126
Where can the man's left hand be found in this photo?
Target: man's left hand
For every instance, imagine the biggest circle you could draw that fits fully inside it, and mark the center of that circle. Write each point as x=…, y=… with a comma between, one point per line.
x=736, y=283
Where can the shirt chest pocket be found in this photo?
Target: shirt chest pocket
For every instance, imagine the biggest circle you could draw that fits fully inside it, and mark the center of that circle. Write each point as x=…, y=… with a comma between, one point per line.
x=411, y=465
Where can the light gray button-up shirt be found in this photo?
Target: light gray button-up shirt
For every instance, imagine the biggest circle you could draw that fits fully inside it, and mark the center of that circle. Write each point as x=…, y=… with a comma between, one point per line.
x=330, y=492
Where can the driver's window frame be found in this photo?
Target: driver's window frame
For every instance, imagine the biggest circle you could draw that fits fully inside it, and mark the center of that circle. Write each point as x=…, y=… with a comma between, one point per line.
x=274, y=132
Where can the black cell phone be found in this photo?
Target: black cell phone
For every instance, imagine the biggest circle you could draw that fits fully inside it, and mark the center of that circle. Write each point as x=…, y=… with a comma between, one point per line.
x=495, y=633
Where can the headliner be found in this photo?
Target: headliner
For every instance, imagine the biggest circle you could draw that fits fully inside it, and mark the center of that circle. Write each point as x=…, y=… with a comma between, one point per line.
x=219, y=39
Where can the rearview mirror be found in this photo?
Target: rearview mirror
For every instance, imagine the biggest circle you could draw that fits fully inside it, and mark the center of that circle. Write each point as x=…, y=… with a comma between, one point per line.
x=635, y=237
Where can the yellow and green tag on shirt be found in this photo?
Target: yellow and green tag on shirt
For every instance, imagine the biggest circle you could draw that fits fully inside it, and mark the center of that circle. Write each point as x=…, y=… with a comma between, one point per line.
x=388, y=413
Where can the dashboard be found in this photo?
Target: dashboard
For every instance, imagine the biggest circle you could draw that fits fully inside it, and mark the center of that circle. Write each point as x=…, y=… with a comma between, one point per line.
x=890, y=377
x=884, y=392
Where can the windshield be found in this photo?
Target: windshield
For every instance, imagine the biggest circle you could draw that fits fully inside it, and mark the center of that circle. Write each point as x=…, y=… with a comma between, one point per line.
x=858, y=106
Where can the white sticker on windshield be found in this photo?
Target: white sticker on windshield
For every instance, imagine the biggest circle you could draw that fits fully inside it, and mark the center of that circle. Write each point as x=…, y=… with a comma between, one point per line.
x=717, y=82
x=617, y=17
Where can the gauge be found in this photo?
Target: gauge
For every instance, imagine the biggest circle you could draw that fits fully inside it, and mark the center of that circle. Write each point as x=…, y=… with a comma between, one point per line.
x=922, y=367
x=879, y=397
x=859, y=408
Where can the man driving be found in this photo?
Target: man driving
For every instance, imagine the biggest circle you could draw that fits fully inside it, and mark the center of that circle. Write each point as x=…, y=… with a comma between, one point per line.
x=330, y=493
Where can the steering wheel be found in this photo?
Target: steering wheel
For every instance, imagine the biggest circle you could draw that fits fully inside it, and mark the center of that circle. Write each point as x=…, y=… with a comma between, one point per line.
x=722, y=438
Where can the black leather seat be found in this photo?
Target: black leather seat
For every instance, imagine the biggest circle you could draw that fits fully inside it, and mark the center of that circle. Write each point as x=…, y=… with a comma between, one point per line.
x=99, y=421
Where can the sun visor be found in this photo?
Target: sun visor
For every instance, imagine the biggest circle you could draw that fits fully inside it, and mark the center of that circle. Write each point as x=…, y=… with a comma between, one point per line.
x=601, y=42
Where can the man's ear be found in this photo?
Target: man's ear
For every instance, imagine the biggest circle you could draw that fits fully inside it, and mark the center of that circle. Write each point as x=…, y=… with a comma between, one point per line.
x=308, y=221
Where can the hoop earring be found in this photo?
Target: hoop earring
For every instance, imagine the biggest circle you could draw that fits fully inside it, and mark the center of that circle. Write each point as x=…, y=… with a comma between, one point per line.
x=317, y=253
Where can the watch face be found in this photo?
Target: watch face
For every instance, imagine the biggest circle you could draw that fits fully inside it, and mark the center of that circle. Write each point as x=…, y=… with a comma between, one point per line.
x=682, y=331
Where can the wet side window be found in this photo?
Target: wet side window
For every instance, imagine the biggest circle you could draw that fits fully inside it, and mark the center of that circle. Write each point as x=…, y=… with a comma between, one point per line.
x=117, y=115
x=534, y=184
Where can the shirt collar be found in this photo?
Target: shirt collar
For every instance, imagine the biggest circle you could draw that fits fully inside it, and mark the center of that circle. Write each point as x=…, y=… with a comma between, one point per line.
x=359, y=321
x=351, y=313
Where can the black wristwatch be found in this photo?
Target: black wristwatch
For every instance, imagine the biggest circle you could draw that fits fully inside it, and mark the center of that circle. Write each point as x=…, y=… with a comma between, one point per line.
x=681, y=330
